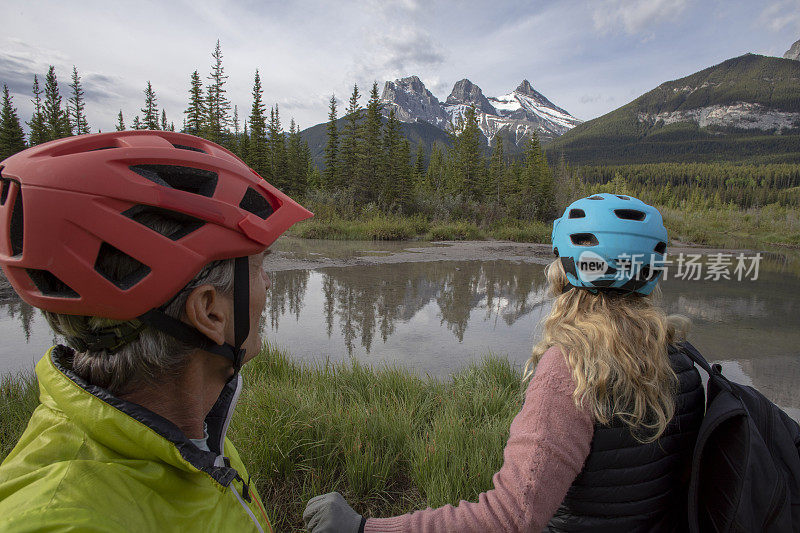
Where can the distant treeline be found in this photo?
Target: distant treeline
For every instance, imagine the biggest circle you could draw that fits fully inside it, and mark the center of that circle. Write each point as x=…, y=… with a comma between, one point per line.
x=702, y=184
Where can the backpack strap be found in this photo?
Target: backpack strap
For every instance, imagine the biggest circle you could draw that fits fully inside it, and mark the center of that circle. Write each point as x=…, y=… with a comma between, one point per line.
x=714, y=371
x=696, y=356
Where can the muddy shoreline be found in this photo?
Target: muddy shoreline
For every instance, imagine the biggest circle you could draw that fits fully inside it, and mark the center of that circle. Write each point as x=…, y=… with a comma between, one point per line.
x=291, y=253
x=285, y=256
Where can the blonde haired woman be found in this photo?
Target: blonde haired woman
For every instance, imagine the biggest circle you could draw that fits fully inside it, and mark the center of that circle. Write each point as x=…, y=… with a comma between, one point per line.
x=611, y=412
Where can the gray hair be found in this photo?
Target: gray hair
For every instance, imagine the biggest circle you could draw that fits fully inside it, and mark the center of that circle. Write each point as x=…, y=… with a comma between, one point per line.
x=153, y=356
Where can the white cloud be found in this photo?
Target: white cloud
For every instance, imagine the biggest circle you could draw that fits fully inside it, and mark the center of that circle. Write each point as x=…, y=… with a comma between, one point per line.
x=635, y=16
x=779, y=15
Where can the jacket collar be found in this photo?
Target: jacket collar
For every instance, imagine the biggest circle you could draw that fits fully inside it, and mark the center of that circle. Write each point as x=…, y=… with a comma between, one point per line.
x=131, y=429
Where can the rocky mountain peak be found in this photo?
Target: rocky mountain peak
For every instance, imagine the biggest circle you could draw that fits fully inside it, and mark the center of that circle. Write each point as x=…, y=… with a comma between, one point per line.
x=466, y=92
x=412, y=101
x=525, y=88
x=793, y=52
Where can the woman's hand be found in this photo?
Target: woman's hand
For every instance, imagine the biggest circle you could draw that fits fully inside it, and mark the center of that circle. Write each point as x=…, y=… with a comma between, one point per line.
x=330, y=513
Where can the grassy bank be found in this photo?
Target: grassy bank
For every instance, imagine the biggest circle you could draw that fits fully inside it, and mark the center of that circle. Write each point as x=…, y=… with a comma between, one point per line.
x=396, y=228
x=391, y=442
x=718, y=227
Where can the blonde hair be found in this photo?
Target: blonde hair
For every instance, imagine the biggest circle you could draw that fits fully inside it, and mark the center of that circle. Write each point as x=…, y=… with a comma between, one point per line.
x=616, y=347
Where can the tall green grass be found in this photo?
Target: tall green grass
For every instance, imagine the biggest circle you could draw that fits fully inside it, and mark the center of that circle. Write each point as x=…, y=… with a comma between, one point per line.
x=387, y=439
x=19, y=396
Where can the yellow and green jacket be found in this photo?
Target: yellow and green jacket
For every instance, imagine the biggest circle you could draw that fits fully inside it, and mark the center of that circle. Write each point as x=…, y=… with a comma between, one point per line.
x=89, y=461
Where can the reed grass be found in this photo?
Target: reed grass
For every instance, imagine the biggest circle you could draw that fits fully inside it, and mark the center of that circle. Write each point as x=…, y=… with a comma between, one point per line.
x=390, y=441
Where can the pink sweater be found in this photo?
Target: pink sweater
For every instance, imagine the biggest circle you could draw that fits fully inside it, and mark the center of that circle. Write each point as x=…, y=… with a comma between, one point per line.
x=547, y=446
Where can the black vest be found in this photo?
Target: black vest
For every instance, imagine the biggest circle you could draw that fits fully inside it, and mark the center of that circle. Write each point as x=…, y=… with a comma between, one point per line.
x=629, y=486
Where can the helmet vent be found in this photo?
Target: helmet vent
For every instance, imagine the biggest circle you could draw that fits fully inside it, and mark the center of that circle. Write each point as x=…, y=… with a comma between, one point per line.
x=49, y=285
x=630, y=214
x=576, y=213
x=583, y=239
x=622, y=197
x=188, y=179
x=16, y=228
x=4, y=184
x=102, y=148
x=256, y=204
x=661, y=248
x=170, y=224
x=595, y=197
x=192, y=148
x=119, y=268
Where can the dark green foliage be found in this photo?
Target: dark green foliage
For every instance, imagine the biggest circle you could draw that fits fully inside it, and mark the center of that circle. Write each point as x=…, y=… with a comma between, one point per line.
x=137, y=124
x=150, y=109
x=276, y=142
x=330, y=178
x=469, y=166
x=38, y=133
x=218, y=106
x=257, y=152
x=12, y=138
x=76, y=106
x=120, y=122
x=196, y=112
x=297, y=160
x=368, y=177
x=56, y=120
x=164, y=124
x=350, y=138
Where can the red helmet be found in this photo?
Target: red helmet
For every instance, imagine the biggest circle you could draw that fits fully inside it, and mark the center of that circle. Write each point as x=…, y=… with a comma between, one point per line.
x=64, y=201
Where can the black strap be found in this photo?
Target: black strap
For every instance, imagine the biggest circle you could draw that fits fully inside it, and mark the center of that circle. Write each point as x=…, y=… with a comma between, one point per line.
x=182, y=331
x=241, y=307
x=362, y=524
x=696, y=356
x=714, y=371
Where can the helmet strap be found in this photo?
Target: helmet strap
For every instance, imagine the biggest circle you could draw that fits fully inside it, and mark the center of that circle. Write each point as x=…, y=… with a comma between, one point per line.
x=182, y=331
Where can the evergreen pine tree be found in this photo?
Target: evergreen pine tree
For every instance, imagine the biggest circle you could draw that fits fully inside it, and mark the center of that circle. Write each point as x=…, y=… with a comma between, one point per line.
x=164, y=125
x=437, y=172
x=38, y=133
x=296, y=162
x=55, y=118
x=538, y=190
x=405, y=183
x=137, y=124
x=218, y=106
x=120, y=122
x=350, y=141
x=419, y=166
x=367, y=180
x=195, y=114
x=391, y=169
x=276, y=140
x=12, y=138
x=257, y=147
x=244, y=145
x=330, y=178
x=150, y=109
x=469, y=163
x=496, y=173
x=76, y=106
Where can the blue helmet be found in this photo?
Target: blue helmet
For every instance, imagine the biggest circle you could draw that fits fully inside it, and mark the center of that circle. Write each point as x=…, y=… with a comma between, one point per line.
x=611, y=241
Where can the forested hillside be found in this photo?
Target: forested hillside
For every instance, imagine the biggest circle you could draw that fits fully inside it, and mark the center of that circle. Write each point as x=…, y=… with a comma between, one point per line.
x=746, y=109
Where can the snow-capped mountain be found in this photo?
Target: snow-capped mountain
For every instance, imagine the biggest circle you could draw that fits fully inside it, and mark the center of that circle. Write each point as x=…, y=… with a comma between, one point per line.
x=516, y=114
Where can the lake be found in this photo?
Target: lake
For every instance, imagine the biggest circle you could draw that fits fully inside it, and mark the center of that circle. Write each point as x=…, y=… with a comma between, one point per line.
x=433, y=309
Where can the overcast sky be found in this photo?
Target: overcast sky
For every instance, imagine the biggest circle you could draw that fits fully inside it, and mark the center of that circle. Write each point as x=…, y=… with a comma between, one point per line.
x=587, y=56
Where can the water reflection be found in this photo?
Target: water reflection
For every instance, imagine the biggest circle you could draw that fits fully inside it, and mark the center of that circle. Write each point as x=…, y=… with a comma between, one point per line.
x=433, y=317
x=365, y=302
